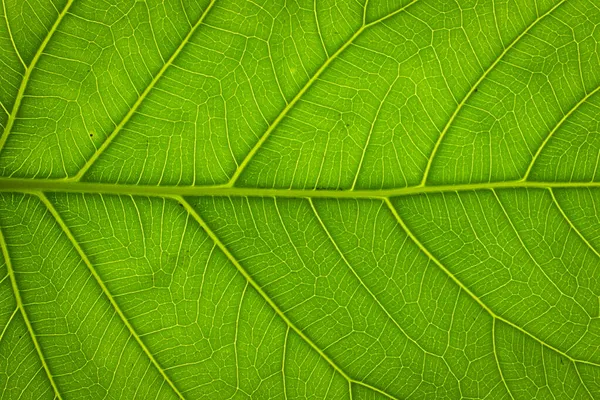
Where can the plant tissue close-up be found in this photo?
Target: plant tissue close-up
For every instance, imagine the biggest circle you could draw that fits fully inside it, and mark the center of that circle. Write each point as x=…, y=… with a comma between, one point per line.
x=300, y=199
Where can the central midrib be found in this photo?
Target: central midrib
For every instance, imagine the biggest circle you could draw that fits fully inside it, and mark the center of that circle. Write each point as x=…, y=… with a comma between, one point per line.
x=46, y=185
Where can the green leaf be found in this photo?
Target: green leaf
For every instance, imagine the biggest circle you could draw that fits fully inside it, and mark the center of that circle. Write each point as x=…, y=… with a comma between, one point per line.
x=300, y=199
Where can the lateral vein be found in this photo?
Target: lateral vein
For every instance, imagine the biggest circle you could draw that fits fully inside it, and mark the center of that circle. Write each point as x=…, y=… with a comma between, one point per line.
x=256, y=286
x=24, y=82
x=10, y=35
x=474, y=87
x=568, y=220
x=141, y=98
x=105, y=291
x=473, y=295
x=498, y=360
x=556, y=127
x=20, y=306
x=301, y=93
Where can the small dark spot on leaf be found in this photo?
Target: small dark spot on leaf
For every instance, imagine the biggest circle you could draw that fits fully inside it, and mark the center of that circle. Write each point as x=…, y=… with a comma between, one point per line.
x=91, y=135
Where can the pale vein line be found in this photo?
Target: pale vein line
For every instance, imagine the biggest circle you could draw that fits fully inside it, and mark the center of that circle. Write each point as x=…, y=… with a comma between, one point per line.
x=286, y=109
x=105, y=290
x=526, y=248
x=283, y=377
x=546, y=384
x=470, y=293
x=264, y=295
x=474, y=87
x=364, y=152
x=568, y=220
x=329, y=385
x=272, y=64
x=16, y=106
x=251, y=280
x=301, y=93
x=10, y=35
x=140, y=100
x=556, y=127
x=362, y=283
x=4, y=109
x=21, y=307
x=235, y=338
x=60, y=185
x=496, y=358
x=8, y=323
x=350, y=389
x=582, y=382
x=365, y=7
x=319, y=28
x=373, y=388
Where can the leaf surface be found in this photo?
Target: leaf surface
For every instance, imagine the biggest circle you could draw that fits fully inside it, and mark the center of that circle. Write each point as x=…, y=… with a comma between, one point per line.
x=301, y=199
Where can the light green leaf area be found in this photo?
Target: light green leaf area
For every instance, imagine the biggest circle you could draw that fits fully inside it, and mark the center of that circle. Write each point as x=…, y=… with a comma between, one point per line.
x=300, y=199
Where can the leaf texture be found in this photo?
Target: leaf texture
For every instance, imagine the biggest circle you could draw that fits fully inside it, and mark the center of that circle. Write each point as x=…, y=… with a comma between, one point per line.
x=300, y=199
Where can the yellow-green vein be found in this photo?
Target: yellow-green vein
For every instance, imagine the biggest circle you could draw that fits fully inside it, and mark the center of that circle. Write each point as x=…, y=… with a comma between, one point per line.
x=285, y=345
x=252, y=282
x=10, y=35
x=21, y=307
x=364, y=152
x=474, y=87
x=301, y=93
x=470, y=293
x=556, y=127
x=531, y=257
x=497, y=360
x=362, y=283
x=59, y=185
x=8, y=323
x=568, y=220
x=105, y=290
x=141, y=98
x=264, y=295
x=21, y=92
x=582, y=382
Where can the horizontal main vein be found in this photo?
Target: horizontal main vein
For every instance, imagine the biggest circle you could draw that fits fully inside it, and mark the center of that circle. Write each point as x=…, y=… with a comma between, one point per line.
x=20, y=307
x=105, y=291
x=425, y=251
x=28, y=69
x=302, y=91
x=61, y=185
x=141, y=98
x=264, y=295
